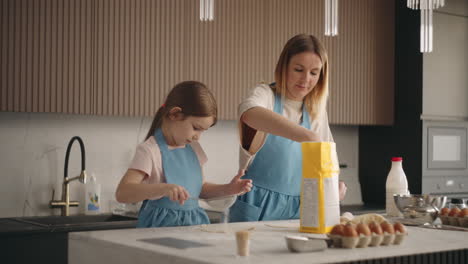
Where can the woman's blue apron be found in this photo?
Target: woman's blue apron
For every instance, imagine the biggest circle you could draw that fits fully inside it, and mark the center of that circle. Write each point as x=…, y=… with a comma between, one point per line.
x=276, y=172
x=181, y=167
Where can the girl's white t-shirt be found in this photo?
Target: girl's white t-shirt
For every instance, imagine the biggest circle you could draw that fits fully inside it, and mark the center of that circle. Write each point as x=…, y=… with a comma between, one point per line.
x=263, y=96
x=148, y=160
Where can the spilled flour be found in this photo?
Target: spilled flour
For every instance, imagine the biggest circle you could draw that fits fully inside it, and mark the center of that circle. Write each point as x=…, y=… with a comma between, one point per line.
x=224, y=228
x=284, y=225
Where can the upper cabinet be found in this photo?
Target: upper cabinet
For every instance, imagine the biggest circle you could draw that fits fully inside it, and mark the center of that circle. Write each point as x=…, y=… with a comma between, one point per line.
x=445, y=78
x=109, y=57
x=47, y=50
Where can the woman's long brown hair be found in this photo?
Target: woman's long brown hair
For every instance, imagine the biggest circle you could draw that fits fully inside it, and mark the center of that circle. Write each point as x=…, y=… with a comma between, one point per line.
x=193, y=97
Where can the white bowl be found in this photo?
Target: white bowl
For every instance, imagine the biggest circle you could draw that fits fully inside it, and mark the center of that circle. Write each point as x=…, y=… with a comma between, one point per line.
x=220, y=203
x=304, y=244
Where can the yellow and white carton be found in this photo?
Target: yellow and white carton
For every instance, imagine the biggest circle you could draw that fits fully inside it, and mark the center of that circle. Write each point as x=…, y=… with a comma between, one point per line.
x=320, y=207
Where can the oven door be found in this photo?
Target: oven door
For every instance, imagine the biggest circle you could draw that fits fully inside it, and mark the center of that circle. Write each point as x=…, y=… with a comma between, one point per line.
x=445, y=160
x=446, y=147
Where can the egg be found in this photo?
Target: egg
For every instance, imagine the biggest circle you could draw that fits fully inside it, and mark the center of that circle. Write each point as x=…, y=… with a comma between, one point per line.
x=363, y=229
x=399, y=227
x=463, y=212
x=338, y=230
x=375, y=228
x=350, y=231
x=454, y=212
x=444, y=211
x=387, y=227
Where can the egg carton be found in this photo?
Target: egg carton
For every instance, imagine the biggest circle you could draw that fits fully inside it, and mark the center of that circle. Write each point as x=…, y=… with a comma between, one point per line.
x=362, y=241
x=454, y=220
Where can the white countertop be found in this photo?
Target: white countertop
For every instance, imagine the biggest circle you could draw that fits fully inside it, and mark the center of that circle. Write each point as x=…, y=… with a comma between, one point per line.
x=267, y=245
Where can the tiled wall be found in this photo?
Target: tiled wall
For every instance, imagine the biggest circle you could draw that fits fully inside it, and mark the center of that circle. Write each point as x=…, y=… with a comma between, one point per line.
x=33, y=149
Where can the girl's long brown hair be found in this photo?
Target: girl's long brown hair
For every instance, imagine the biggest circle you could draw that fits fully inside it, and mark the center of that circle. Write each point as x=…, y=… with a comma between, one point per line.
x=193, y=97
x=316, y=100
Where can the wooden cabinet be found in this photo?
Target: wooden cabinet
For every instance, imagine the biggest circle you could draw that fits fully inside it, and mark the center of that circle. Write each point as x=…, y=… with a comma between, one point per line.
x=110, y=57
x=47, y=56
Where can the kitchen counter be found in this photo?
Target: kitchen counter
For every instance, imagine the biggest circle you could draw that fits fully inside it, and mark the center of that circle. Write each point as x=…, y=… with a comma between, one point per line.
x=267, y=245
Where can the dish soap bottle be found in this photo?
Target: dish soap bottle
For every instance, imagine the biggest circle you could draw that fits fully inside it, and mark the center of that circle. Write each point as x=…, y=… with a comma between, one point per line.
x=92, y=196
x=396, y=184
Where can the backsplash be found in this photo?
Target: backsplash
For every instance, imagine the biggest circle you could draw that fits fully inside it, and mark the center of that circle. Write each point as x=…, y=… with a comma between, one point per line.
x=33, y=149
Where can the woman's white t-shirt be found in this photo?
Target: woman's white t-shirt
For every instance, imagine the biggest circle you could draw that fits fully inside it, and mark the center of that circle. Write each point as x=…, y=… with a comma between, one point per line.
x=263, y=96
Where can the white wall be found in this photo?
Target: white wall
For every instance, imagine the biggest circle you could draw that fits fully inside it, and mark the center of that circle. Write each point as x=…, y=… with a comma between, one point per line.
x=445, y=78
x=33, y=149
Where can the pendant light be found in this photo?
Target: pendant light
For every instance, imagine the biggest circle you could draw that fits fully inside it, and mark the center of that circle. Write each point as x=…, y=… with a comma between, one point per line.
x=206, y=10
x=426, y=7
x=331, y=18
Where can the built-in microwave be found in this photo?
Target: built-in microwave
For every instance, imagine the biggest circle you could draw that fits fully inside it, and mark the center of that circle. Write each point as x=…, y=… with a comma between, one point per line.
x=445, y=159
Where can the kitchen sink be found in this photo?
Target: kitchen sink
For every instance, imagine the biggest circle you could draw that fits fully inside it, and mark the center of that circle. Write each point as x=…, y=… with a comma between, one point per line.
x=77, y=220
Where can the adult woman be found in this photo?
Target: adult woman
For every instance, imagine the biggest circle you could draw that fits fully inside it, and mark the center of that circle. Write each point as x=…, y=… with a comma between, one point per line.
x=273, y=120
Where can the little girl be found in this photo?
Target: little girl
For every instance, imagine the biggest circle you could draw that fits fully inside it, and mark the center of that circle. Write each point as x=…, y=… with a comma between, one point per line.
x=166, y=171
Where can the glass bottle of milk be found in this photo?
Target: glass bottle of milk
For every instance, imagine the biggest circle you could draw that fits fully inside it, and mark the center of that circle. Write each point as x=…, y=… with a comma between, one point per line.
x=396, y=184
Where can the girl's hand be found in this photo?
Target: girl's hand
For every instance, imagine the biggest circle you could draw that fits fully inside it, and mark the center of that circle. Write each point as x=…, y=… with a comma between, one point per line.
x=176, y=193
x=240, y=186
x=342, y=190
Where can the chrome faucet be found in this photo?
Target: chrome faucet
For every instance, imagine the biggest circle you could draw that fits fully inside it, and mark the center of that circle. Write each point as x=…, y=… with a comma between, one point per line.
x=65, y=203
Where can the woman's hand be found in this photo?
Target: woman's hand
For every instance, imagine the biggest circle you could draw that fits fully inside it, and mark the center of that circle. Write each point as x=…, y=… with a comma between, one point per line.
x=262, y=119
x=342, y=190
x=176, y=193
x=240, y=186
x=311, y=136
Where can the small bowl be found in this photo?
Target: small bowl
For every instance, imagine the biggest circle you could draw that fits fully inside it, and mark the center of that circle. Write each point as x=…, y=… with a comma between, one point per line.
x=221, y=203
x=419, y=208
x=305, y=244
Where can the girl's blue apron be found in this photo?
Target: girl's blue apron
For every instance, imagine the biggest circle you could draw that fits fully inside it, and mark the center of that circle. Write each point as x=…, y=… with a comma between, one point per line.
x=181, y=167
x=276, y=172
